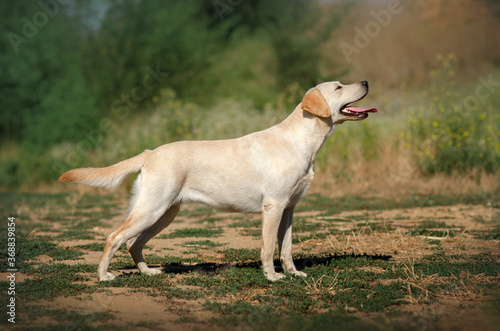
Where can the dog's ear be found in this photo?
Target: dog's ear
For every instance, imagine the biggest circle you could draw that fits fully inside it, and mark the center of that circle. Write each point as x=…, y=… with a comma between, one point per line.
x=315, y=103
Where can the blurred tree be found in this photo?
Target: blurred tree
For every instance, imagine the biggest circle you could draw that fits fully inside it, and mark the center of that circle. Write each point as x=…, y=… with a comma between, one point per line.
x=44, y=97
x=295, y=32
x=137, y=37
x=186, y=39
x=50, y=59
x=297, y=36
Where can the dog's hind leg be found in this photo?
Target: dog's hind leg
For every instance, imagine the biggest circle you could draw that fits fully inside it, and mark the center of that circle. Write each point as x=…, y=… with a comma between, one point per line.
x=143, y=216
x=136, y=244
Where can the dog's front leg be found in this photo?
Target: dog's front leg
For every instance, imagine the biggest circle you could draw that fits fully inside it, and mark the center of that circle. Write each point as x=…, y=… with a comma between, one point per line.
x=271, y=217
x=285, y=243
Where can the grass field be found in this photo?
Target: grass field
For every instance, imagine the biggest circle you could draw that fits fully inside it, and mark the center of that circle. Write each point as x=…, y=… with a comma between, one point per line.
x=412, y=262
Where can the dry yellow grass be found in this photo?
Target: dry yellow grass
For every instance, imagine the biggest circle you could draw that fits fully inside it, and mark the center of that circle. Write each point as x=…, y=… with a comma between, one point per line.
x=393, y=173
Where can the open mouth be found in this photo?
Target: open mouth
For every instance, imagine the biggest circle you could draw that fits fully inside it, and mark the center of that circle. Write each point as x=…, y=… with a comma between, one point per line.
x=356, y=111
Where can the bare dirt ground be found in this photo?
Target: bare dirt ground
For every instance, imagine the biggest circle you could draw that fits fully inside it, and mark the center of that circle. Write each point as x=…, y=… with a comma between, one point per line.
x=457, y=229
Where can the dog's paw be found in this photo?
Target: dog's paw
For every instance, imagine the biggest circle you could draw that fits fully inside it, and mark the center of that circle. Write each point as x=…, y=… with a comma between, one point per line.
x=108, y=276
x=151, y=271
x=274, y=276
x=298, y=273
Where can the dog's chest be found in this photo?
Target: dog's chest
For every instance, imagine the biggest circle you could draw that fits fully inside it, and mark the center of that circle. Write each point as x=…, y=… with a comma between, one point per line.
x=301, y=187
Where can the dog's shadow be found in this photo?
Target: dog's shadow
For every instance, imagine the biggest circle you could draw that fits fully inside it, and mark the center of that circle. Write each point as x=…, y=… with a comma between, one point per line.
x=301, y=263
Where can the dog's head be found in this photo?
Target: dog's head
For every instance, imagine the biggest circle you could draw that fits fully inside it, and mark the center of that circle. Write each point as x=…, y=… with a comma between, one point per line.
x=332, y=99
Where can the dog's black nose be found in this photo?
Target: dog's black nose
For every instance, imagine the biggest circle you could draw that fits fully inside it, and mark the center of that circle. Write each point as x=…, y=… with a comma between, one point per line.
x=364, y=83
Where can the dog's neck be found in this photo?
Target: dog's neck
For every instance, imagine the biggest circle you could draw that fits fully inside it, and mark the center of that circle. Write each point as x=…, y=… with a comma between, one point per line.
x=307, y=130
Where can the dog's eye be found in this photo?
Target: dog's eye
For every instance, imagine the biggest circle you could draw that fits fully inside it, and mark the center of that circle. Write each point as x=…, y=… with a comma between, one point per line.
x=338, y=87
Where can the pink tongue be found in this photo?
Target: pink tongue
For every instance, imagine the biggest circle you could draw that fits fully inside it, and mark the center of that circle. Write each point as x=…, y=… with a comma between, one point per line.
x=361, y=110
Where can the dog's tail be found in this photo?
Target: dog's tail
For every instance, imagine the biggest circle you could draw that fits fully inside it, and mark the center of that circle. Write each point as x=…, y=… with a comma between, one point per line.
x=109, y=177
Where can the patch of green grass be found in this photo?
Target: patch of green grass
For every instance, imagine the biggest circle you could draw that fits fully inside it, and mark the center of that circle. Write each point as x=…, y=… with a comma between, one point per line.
x=429, y=228
x=50, y=288
x=54, y=280
x=333, y=206
x=94, y=247
x=105, y=201
x=432, y=224
x=147, y=324
x=341, y=283
x=85, y=224
x=66, y=253
x=432, y=233
x=187, y=319
x=229, y=281
x=372, y=227
x=245, y=223
x=441, y=265
x=76, y=235
x=237, y=279
x=324, y=321
x=492, y=234
x=297, y=239
x=479, y=219
x=68, y=319
x=137, y=281
x=99, y=247
x=301, y=224
x=197, y=211
x=156, y=285
x=493, y=307
x=248, y=227
x=238, y=307
x=29, y=249
x=201, y=244
x=153, y=259
x=187, y=294
x=241, y=254
x=192, y=232
x=33, y=200
x=251, y=232
x=203, y=281
x=73, y=272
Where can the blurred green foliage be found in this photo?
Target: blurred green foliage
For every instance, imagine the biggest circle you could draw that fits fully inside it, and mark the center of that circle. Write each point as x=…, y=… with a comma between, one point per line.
x=45, y=98
x=455, y=132
x=87, y=83
x=65, y=66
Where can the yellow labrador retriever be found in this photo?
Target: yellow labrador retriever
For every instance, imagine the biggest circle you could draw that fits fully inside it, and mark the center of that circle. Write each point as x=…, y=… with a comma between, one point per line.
x=266, y=171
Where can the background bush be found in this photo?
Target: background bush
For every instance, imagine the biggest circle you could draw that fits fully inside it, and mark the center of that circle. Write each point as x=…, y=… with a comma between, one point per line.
x=454, y=131
x=74, y=93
